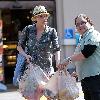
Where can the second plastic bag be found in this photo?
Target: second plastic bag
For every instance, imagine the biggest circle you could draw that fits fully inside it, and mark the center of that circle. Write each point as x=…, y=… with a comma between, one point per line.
x=33, y=79
x=51, y=88
x=61, y=86
x=68, y=90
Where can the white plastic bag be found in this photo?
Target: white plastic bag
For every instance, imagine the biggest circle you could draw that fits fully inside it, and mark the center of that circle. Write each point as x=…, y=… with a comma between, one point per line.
x=61, y=86
x=33, y=78
x=68, y=90
x=51, y=88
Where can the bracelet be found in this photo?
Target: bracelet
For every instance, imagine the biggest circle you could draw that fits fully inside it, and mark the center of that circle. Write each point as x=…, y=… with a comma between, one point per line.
x=69, y=60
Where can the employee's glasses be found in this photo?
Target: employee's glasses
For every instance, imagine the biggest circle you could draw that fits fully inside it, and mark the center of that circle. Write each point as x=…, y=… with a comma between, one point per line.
x=81, y=23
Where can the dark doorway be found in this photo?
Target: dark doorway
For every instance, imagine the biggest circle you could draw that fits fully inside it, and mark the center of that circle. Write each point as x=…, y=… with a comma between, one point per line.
x=13, y=21
x=21, y=17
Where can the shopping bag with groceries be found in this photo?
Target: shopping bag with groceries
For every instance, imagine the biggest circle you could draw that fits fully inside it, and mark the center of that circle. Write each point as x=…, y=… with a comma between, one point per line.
x=62, y=86
x=34, y=78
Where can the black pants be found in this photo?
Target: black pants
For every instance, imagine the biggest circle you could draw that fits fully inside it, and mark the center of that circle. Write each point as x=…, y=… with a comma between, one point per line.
x=91, y=87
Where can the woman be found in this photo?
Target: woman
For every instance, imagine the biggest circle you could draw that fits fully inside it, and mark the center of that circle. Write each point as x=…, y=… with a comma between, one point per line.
x=86, y=58
x=38, y=42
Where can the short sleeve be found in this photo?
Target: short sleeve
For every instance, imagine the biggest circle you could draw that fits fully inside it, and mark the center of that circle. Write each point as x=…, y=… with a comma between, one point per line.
x=55, y=44
x=93, y=39
x=23, y=37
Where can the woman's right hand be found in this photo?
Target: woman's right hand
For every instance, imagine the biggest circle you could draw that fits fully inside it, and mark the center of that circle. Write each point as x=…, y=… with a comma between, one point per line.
x=28, y=58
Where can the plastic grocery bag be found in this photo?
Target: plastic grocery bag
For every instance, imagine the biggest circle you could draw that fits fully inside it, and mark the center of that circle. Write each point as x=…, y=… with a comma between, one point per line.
x=51, y=88
x=33, y=79
x=68, y=90
x=61, y=86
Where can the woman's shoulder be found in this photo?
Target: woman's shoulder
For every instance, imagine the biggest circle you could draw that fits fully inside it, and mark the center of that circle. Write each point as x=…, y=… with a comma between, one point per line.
x=31, y=26
x=27, y=27
x=94, y=36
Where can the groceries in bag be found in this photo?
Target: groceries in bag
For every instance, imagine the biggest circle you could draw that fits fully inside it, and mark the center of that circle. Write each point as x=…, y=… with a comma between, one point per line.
x=51, y=88
x=34, y=78
x=62, y=86
x=68, y=89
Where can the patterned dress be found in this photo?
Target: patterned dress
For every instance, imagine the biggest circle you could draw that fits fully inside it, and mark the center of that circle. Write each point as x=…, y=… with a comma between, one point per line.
x=41, y=50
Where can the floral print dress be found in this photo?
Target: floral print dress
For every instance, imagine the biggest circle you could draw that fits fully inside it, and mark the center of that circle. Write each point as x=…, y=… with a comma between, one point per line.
x=41, y=50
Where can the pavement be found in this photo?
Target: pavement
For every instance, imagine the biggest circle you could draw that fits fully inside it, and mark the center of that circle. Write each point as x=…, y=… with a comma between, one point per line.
x=13, y=94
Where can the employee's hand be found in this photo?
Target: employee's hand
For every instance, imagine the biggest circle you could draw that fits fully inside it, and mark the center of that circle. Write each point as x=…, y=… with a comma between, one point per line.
x=61, y=66
x=74, y=74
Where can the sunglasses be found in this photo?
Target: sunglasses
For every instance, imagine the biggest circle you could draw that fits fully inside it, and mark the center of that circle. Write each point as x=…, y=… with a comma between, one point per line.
x=43, y=16
x=81, y=23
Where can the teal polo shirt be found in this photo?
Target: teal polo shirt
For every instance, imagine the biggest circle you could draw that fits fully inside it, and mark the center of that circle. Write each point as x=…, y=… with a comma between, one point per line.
x=89, y=66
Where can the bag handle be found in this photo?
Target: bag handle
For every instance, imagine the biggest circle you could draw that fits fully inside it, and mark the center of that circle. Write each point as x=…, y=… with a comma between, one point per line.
x=61, y=71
